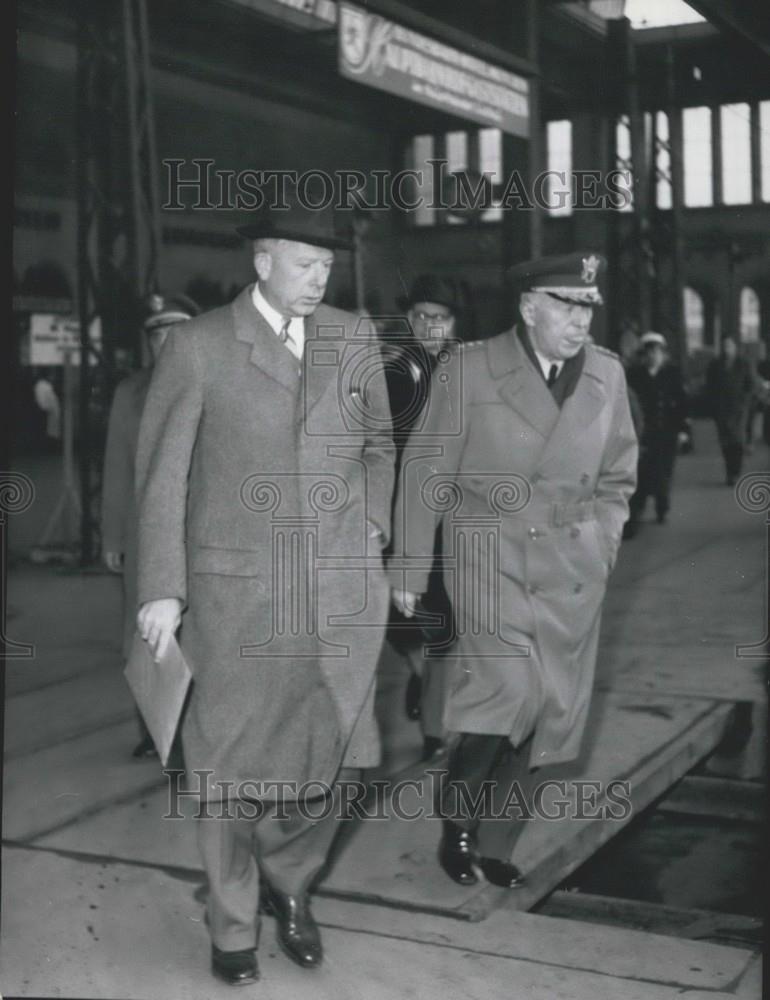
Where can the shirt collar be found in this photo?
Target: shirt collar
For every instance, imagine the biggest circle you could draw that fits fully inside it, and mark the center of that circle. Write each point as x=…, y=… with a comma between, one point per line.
x=273, y=317
x=545, y=363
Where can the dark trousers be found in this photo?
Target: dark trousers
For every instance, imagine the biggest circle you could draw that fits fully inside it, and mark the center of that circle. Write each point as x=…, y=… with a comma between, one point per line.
x=654, y=474
x=731, y=443
x=479, y=758
x=285, y=847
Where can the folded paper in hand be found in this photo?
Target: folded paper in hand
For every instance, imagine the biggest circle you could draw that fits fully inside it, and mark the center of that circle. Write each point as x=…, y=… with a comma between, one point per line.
x=159, y=689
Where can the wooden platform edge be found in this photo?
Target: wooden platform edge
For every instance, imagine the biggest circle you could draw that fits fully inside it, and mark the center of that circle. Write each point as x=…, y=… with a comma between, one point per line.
x=647, y=784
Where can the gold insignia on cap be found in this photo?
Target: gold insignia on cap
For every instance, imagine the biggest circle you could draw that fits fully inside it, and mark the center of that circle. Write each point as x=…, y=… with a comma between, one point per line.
x=590, y=268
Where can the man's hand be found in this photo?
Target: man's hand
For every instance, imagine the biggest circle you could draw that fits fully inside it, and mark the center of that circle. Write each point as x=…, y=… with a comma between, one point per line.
x=157, y=622
x=405, y=601
x=113, y=561
x=375, y=540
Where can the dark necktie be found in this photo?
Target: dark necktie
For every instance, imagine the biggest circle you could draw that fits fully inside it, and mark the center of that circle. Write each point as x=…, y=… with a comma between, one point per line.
x=553, y=374
x=283, y=333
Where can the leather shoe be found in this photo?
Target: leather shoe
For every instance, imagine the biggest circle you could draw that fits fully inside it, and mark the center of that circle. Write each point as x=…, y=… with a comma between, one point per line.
x=431, y=745
x=501, y=873
x=297, y=931
x=145, y=748
x=456, y=854
x=236, y=968
x=413, y=700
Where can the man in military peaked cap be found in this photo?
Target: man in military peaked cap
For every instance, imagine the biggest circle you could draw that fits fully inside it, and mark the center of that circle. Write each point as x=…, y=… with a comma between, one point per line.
x=529, y=462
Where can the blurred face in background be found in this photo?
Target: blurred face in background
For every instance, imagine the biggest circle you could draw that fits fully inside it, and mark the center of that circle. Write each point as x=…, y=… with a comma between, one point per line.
x=729, y=348
x=432, y=323
x=654, y=356
x=557, y=329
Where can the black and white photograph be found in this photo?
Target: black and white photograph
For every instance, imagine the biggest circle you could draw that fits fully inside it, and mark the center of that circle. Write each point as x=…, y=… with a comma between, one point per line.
x=385, y=500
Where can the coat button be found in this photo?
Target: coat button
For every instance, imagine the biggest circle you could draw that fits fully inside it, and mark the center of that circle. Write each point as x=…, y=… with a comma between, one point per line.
x=584, y=478
x=574, y=532
x=578, y=587
x=533, y=588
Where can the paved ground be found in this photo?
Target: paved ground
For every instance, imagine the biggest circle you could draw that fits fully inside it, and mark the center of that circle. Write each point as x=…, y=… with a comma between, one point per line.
x=102, y=898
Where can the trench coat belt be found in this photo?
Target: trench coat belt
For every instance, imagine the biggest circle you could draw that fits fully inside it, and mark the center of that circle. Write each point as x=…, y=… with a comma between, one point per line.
x=556, y=515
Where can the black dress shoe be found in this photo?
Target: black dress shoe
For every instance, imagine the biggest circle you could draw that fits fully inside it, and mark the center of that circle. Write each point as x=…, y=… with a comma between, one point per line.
x=297, y=931
x=145, y=748
x=236, y=968
x=456, y=853
x=501, y=873
x=431, y=745
x=413, y=701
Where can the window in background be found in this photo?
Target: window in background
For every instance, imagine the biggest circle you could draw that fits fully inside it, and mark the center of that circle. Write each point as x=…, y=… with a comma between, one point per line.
x=694, y=321
x=764, y=149
x=558, y=137
x=736, y=154
x=491, y=164
x=456, y=146
x=698, y=179
x=623, y=152
x=421, y=152
x=749, y=321
x=662, y=161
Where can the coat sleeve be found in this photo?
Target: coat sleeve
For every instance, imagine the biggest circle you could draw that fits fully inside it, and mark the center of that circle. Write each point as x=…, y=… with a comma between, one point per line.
x=117, y=474
x=379, y=450
x=617, y=476
x=680, y=399
x=167, y=436
x=432, y=457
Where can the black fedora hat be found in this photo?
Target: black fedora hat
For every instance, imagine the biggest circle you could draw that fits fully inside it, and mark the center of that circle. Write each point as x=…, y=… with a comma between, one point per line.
x=298, y=223
x=431, y=288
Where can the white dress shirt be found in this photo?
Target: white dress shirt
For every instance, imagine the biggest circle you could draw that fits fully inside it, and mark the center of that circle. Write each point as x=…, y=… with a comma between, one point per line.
x=545, y=364
x=274, y=319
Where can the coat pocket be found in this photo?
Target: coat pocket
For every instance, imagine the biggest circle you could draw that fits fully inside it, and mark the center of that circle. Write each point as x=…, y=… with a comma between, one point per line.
x=602, y=547
x=226, y=562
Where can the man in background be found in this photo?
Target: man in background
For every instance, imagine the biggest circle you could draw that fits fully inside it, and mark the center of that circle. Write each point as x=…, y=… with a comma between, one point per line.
x=119, y=528
x=730, y=388
x=658, y=387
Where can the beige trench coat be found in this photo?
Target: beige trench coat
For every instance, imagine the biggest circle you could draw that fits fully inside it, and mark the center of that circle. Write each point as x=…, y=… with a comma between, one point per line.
x=532, y=501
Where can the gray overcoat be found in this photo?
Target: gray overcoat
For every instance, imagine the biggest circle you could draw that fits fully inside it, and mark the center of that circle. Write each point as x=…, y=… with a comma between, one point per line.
x=257, y=478
x=532, y=500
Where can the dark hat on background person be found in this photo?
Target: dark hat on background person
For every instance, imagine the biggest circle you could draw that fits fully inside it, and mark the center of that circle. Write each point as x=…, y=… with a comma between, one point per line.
x=571, y=277
x=165, y=310
x=431, y=288
x=298, y=223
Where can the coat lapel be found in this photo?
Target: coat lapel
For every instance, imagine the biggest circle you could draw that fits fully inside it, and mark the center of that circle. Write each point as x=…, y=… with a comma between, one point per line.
x=324, y=363
x=519, y=385
x=580, y=409
x=267, y=352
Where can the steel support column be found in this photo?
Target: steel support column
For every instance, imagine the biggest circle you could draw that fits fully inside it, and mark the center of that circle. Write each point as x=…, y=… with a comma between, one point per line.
x=118, y=234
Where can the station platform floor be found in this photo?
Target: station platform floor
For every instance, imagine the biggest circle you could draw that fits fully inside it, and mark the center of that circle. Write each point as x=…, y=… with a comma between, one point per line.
x=102, y=898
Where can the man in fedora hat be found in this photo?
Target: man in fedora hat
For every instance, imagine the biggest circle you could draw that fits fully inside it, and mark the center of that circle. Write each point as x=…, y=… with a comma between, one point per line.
x=530, y=458
x=118, y=524
x=265, y=473
x=431, y=308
